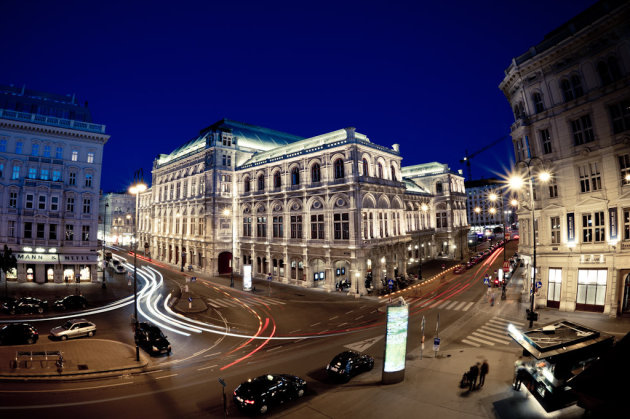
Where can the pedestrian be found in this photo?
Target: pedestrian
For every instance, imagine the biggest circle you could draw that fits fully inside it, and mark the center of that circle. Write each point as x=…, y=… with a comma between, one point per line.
x=472, y=375
x=492, y=299
x=482, y=372
x=521, y=374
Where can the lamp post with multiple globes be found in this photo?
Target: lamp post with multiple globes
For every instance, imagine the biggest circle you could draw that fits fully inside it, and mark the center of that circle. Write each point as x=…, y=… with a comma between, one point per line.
x=136, y=188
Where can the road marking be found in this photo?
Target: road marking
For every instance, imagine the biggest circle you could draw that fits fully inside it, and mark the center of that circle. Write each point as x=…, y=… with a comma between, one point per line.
x=459, y=306
x=494, y=332
x=74, y=389
x=497, y=323
x=151, y=372
x=274, y=348
x=349, y=311
x=206, y=368
x=468, y=306
x=315, y=324
x=357, y=318
x=451, y=305
x=443, y=304
x=470, y=343
x=511, y=321
x=493, y=339
x=480, y=340
x=296, y=330
x=342, y=324
x=364, y=344
x=333, y=318
x=165, y=376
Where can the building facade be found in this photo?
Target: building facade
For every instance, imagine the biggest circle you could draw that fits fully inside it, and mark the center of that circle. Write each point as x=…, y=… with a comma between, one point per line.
x=307, y=211
x=571, y=100
x=117, y=218
x=485, y=214
x=50, y=172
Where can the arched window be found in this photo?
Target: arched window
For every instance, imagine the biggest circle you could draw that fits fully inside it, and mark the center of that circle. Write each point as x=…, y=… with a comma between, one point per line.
x=277, y=182
x=438, y=187
x=339, y=174
x=246, y=184
x=393, y=172
x=380, y=170
x=261, y=182
x=576, y=85
x=538, y=102
x=604, y=74
x=295, y=176
x=315, y=173
x=366, y=169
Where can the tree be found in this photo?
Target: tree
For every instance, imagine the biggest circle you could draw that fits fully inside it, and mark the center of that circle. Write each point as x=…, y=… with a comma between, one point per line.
x=8, y=262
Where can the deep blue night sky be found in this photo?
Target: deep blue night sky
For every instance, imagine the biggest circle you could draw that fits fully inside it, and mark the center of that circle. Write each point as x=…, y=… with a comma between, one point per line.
x=420, y=74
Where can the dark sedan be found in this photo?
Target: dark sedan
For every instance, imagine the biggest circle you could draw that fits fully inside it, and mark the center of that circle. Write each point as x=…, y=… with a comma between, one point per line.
x=27, y=305
x=152, y=339
x=18, y=334
x=347, y=364
x=256, y=395
x=71, y=302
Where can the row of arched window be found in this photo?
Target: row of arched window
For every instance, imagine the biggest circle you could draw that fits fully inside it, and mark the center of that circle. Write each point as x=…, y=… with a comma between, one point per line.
x=571, y=86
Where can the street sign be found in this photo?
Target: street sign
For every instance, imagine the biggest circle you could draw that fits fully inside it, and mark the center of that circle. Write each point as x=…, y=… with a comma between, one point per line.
x=193, y=279
x=190, y=299
x=506, y=266
x=222, y=382
x=390, y=283
x=539, y=284
x=436, y=344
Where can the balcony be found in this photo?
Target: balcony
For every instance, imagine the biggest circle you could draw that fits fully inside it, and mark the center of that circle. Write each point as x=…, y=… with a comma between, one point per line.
x=52, y=121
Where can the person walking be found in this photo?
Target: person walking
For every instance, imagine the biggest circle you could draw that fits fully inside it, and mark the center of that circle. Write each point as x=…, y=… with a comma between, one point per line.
x=474, y=373
x=483, y=372
x=521, y=374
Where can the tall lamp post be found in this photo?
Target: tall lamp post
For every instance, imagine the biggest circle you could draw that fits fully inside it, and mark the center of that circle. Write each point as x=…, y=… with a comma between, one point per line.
x=103, y=244
x=517, y=182
x=136, y=188
x=227, y=213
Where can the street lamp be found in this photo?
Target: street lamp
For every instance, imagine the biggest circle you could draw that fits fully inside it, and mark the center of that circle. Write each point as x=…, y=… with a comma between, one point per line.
x=181, y=245
x=103, y=246
x=136, y=188
x=517, y=182
x=227, y=213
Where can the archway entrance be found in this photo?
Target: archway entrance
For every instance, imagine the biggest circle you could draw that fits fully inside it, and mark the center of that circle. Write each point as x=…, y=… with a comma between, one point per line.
x=225, y=263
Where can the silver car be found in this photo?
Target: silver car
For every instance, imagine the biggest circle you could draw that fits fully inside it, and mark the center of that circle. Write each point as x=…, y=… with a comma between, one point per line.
x=74, y=328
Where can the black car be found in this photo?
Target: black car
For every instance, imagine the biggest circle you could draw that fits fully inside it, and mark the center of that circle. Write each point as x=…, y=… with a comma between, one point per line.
x=256, y=395
x=152, y=339
x=347, y=364
x=27, y=305
x=17, y=334
x=71, y=302
x=6, y=303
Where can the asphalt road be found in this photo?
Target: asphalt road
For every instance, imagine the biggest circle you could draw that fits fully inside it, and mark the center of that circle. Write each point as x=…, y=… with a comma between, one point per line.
x=292, y=331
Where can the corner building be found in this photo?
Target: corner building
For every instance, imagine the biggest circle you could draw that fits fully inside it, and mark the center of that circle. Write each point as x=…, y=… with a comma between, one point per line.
x=571, y=100
x=307, y=211
x=50, y=173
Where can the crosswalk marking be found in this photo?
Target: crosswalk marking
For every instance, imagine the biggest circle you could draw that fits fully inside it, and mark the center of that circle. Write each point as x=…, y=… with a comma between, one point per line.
x=480, y=340
x=514, y=322
x=226, y=303
x=451, y=305
x=468, y=306
x=494, y=331
x=491, y=338
x=485, y=329
x=444, y=304
x=471, y=343
x=459, y=306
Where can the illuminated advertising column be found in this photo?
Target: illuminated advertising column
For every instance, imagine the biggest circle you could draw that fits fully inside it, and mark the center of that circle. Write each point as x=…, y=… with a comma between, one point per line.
x=395, y=343
x=247, y=277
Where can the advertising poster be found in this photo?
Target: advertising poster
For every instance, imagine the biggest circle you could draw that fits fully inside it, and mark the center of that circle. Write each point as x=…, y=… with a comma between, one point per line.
x=247, y=277
x=396, y=338
x=612, y=222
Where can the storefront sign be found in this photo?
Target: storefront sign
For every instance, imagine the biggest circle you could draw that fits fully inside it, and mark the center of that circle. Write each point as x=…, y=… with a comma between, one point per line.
x=78, y=258
x=37, y=257
x=612, y=222
x=571, y=227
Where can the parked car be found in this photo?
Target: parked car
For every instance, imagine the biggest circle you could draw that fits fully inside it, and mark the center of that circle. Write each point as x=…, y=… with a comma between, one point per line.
x=459, y=269
x=73, y=328
x=18, y=334
x=256, y=395
x=347, y=364
x=6, y=303
x=119, y=269
x=115, y=262
x=27, y=305
x=151, y=338
x=71, y=302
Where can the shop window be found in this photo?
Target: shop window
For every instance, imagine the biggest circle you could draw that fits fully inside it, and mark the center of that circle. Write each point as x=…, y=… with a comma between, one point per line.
x=555, y=284
x=85, y=273
x=50, y=274
x=30, y=274
x=591, y=288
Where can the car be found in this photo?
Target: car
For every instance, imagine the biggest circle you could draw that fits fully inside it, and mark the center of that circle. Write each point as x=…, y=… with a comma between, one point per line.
x=119, y=269
x=151, y=338
x=346, y=365
x=459, y=269
x=71, y=302
x=115, y=263
x=507, y=275
x=256, y=395
x=73, y=328
x=18, y=334
x=6, y=303
x=27, y=305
